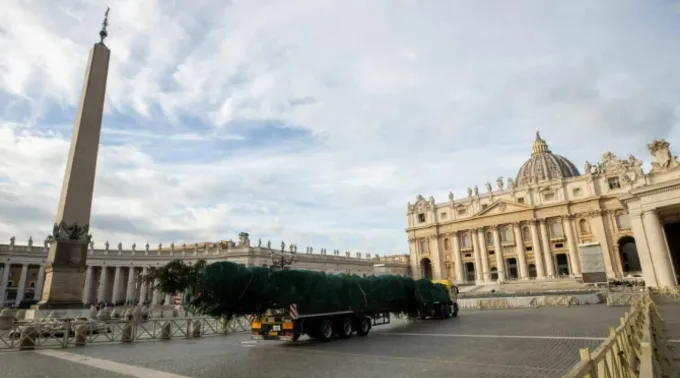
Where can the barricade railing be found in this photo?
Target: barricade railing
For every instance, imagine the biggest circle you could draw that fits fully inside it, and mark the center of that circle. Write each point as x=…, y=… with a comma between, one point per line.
x=635, y=348
x=59, y=333
x=617, y=356
x=655, y=358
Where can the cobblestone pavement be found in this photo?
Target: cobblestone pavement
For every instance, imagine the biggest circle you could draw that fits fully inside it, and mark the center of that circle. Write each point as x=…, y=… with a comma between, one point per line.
x=503, y=343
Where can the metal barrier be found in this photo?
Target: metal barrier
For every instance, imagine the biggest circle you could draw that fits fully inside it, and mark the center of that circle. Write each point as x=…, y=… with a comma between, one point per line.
x=58, y=333
x=635, y=348
x=667, y=292
x=655, y=358
x=623, y=298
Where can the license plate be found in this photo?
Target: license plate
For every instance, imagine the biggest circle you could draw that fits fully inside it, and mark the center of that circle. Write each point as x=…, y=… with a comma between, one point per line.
x=276, y=328
x=273, y=333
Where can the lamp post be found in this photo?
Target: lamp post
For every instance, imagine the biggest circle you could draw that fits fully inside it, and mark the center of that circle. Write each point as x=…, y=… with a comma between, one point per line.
x=281, y=260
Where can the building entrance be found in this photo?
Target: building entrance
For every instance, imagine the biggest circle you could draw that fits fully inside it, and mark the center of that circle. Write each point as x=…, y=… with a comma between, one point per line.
x=672, y=231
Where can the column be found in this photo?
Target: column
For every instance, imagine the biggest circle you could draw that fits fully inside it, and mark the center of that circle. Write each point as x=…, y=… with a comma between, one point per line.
x=538, y=254
x=436, y=258
x=457, y=258
x=142, y=289
x=519, y=248
x=479, y=278
x=574, y=262
x=413, y=257
x=600, y=234
x=484, y=253
x=661, y=259
x=3, y=283
x=156, y=296
x=130, y=291
x=21, y=289
x=101, y=290
x=115, y=297
x=39, y=284
x=500, y=261
x=547, y=253
x=87, y=290
x=644, y=253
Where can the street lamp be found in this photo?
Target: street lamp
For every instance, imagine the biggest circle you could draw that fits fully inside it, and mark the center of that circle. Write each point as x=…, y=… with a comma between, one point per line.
x=280, y=260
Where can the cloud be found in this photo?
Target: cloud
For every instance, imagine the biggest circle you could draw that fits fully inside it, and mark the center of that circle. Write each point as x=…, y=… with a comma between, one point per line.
x=315, y=122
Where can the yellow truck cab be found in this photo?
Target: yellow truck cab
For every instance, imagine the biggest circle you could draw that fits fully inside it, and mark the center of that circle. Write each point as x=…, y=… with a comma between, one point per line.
x=453, y=295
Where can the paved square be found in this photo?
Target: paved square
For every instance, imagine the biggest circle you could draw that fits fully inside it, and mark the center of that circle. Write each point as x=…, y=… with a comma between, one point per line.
x=503, y=343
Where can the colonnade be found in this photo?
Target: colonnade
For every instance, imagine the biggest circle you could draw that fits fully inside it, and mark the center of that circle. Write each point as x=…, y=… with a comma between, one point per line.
x=22, y=285
x=115, y=285
x=119, y=285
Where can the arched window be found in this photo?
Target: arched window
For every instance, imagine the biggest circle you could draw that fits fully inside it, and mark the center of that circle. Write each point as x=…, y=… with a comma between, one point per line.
x=506, y=234
x=556, y=229
x=423, y=246
x=466, y=240
x=583, y=226
x=526, y=234
x=447, y=244
x=622, y=222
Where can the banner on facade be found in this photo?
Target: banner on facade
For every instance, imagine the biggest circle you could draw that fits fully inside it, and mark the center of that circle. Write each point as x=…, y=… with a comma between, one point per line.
x=592, y=263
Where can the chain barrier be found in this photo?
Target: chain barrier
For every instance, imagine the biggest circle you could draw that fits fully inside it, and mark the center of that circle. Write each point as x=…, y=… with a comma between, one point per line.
x=66, y=333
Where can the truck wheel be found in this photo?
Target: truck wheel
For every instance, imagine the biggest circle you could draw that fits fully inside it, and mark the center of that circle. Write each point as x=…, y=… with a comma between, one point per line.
x=364, y=327
x=325, y=332
x=444, y=312
x=344, y=328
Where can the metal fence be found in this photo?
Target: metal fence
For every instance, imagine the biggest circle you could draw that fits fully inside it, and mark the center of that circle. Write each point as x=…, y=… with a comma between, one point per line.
x=57, y=333
x=636, y=348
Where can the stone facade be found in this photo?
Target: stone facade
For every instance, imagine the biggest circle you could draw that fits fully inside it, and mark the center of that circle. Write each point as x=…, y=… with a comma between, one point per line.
x=531, y=227
x=112, y=270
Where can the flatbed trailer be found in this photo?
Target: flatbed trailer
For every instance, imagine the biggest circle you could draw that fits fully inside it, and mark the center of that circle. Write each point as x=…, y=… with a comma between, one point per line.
x=289, y=325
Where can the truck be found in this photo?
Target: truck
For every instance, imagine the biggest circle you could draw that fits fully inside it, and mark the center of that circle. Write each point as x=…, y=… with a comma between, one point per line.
x=443, y=310
x=289, y=325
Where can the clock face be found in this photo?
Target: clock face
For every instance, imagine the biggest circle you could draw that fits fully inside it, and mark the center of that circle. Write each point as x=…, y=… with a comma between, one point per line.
x=501, y=207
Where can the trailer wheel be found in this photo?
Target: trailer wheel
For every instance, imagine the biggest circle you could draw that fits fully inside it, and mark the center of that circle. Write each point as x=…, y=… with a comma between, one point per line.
x=364, y=327
x=325, y=332
x=345, y=328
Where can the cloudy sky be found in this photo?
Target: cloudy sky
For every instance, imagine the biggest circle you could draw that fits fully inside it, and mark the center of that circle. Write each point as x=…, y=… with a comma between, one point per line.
x=315, y=121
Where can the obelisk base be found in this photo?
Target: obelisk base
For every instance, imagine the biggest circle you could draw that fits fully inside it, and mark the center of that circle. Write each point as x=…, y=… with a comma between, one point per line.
x=63, y=288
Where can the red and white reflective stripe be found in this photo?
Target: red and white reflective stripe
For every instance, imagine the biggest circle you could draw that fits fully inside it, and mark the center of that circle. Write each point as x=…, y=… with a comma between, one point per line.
x=251, y=317
x=293, y=311
x=178, y=299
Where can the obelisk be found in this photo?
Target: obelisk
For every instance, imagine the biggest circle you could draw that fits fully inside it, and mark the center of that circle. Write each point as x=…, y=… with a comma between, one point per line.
x=66, y=262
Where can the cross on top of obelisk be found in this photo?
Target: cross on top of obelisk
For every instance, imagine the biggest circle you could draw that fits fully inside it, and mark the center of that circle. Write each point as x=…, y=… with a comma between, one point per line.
x=103, y=33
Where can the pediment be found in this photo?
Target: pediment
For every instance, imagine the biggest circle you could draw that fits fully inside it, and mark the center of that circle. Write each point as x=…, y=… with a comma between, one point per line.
x=502, y=207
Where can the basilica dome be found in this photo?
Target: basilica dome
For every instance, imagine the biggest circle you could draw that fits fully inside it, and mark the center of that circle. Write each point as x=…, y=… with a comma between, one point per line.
x=544, y=165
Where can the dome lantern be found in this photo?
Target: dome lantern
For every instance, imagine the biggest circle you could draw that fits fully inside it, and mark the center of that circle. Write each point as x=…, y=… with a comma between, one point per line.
x=540, y=146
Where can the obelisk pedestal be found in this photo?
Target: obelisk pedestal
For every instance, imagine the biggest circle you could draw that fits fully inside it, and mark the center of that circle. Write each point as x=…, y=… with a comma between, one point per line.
x=66, y=263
